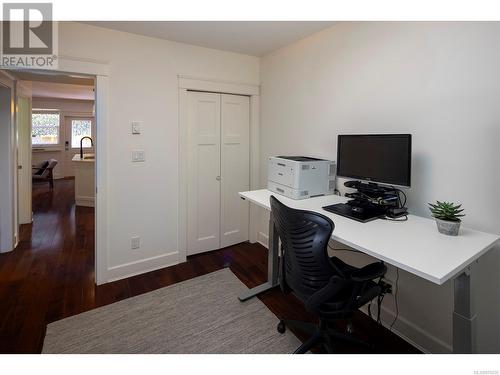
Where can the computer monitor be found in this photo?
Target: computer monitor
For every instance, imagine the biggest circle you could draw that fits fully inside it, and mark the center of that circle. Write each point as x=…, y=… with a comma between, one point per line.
x=378, y=158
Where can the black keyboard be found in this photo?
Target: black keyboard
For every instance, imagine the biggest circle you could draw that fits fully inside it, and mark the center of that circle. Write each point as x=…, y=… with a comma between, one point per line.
x=361, y=214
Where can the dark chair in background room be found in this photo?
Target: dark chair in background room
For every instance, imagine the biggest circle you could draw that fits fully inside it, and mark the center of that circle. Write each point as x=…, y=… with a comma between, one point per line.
x=328, y=287
x=43, y=172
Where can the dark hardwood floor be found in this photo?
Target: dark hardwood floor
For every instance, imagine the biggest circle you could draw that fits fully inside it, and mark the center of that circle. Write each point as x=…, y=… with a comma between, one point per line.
x=50, y=276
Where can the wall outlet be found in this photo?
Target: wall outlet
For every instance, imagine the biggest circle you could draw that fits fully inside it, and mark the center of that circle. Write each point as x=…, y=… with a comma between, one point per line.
x=135, y=242
x=138, y=156
x=386, y=286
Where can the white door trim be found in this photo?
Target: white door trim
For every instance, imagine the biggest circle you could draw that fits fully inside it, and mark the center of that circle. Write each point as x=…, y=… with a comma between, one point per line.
x=8, y=181
x=187, y=83
x=24, y=161
x=100, y=70
x=217, y=86
x=101, y=179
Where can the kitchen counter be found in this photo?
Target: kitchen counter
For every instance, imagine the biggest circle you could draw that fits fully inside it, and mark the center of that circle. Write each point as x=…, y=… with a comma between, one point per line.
x=84, y=179
x=87, y=158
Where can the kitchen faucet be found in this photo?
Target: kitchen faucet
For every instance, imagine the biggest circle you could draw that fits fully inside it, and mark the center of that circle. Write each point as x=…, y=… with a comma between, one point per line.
x=81, y=145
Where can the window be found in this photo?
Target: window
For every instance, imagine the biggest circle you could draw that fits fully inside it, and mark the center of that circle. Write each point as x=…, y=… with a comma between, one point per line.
x=45, y=131
x=79, y=129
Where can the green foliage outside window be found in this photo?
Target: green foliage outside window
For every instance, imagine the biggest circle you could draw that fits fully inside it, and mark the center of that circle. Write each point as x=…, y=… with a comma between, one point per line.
x=45, y=129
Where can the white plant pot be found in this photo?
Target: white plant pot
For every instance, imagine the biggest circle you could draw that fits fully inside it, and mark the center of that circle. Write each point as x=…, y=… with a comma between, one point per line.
x=449, y=228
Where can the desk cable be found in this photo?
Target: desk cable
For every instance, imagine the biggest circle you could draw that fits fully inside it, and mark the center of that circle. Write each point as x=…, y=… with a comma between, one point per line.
x=396, y=299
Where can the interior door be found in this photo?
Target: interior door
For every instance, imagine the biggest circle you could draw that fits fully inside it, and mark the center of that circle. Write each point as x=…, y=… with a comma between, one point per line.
x=235, y=165
x=203, y=200
x=75, y=129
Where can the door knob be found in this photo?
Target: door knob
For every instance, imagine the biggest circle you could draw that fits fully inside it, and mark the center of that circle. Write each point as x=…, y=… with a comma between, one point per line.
x=217, y=178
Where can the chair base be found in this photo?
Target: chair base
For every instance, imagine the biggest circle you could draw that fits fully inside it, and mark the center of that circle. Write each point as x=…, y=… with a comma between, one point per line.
x=319, y=334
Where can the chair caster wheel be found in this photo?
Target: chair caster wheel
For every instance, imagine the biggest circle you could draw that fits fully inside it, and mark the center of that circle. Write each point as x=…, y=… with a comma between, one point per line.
x=281, y=327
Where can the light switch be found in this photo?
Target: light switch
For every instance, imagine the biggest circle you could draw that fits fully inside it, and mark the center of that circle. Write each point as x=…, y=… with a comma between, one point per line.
x=136, y=127
x=135, y=242
x=138, y=155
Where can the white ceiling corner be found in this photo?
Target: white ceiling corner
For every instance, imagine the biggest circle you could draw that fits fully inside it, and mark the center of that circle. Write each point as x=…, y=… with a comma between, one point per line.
x=255, y=38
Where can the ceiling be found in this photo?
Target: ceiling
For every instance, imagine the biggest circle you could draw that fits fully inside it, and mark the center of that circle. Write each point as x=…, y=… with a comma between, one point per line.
x=256, y=38
x=51, y=84
x=54, y=77
x=61, y=91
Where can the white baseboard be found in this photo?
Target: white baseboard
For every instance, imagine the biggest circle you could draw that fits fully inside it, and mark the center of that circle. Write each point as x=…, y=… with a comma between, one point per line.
x=411, y=332
x=142, y=266
x=263, y=239
x=84, y=201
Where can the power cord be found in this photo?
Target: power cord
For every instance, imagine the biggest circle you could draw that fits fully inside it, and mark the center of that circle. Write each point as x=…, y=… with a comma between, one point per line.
x=396, y=300
x=398, y=191
x=380, y=299
x=401, y=204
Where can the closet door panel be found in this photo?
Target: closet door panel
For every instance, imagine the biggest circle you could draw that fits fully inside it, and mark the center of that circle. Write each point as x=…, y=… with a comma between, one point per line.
x=203, y=200
x=235, y=168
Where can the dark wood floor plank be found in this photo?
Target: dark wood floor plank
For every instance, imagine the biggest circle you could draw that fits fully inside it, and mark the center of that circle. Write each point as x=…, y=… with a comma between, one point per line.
x=50, y=276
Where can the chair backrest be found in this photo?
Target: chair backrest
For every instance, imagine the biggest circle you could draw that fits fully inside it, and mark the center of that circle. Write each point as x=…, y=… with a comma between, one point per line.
x=52, y=164
x=39, y=168
x=304, y=237
x=46, y=168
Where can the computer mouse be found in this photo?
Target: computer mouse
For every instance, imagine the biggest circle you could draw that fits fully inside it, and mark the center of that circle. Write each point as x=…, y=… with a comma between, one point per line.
x=358, y=210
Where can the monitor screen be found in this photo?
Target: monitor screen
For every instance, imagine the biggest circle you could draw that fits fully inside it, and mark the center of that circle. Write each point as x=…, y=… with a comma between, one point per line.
x=384, y=158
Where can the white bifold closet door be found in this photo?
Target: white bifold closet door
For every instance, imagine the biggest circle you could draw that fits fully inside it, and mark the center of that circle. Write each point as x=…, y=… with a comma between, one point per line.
x=218, y=168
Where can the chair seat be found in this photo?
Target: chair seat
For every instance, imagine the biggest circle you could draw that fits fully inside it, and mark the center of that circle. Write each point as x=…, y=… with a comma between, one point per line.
x=343, y=267
x=339, y=302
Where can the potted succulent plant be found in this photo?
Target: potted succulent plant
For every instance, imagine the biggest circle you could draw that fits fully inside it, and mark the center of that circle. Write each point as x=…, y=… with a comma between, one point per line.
x=447, y=217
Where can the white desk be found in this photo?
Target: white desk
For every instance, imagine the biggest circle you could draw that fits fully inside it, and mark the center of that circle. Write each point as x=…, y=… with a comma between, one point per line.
x=414, y=246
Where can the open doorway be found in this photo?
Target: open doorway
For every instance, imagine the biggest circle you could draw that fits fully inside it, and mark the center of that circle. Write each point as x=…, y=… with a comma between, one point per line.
x=69, y=69
x=56, y=154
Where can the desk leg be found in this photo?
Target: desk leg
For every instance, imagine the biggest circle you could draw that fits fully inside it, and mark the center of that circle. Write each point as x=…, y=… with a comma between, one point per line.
x=272, y=265
x=464, y=316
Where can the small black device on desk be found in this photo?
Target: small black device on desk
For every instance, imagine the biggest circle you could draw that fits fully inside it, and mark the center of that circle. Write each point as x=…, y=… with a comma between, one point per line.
x=383, y=158
x=358, y=213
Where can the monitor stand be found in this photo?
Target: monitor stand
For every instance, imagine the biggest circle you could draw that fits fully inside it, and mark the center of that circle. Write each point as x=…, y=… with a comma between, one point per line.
x=357, y=210
x=371, y=201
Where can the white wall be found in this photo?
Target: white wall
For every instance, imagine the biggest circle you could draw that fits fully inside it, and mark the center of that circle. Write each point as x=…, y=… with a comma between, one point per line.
x=143, y=197
x=438, y=81
x=67, y=107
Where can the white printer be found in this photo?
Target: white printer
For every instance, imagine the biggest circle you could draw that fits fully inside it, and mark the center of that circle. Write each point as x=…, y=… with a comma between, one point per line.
x=300, y=177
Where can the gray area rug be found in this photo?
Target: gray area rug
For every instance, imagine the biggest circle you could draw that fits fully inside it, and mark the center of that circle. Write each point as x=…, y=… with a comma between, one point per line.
x=201, y=315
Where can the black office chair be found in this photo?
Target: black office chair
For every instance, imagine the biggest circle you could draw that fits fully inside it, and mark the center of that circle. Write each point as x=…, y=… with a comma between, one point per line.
x=328, y=287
